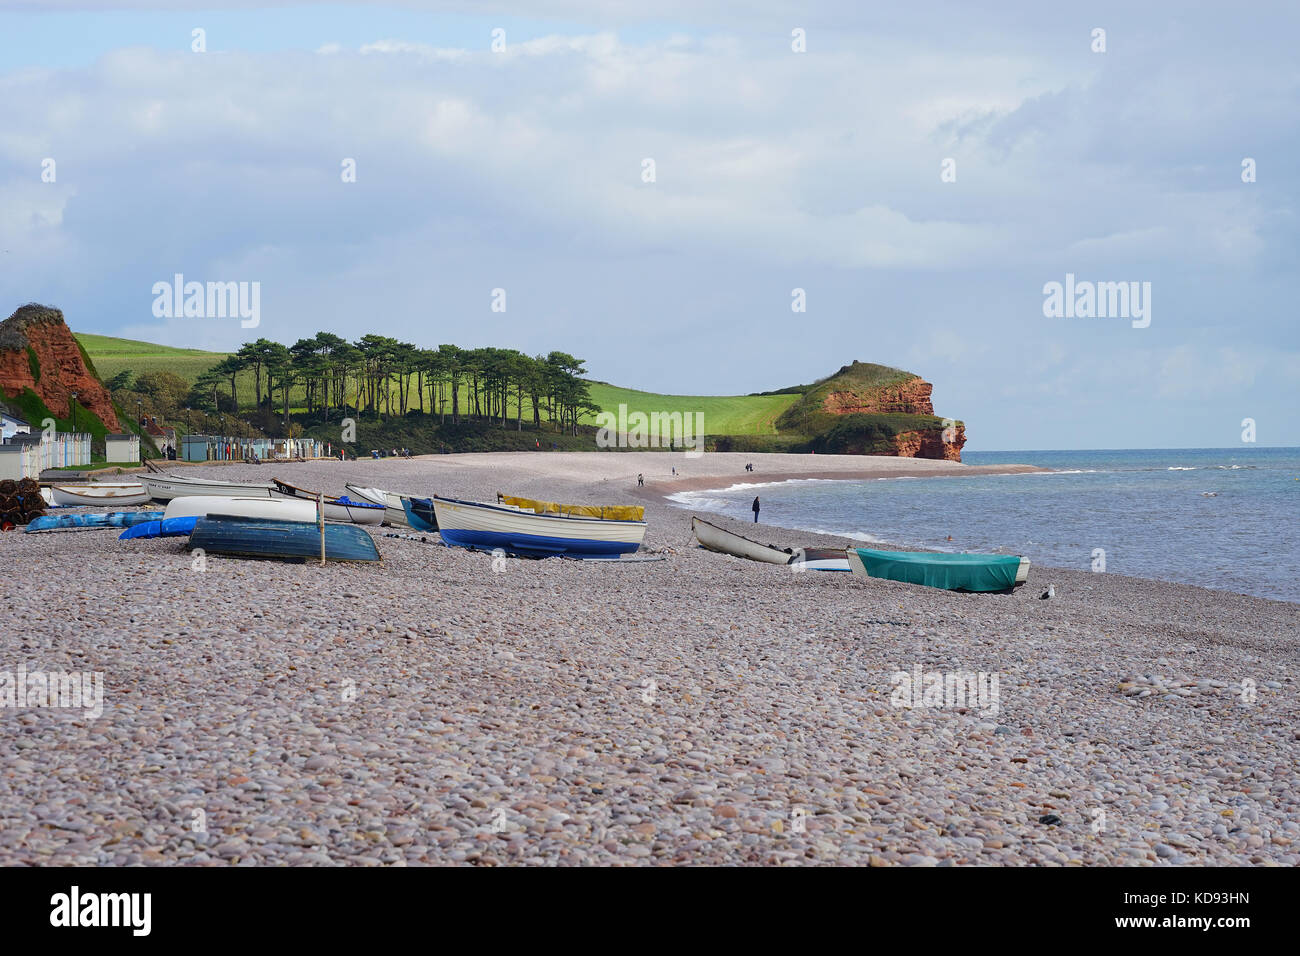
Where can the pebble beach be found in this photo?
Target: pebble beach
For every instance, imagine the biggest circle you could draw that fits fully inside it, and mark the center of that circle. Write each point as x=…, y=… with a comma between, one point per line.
x=445, y=707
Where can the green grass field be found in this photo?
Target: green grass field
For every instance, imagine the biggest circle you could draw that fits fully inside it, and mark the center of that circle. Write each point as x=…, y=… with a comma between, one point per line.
x=112, y=355
x=723, y=414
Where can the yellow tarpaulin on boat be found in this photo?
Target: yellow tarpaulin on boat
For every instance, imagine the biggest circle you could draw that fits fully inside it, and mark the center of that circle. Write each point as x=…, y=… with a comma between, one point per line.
x=611, y=512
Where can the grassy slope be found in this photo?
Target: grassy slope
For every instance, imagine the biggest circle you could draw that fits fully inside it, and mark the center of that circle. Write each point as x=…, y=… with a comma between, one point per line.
x=723, y=415
x=112, y=355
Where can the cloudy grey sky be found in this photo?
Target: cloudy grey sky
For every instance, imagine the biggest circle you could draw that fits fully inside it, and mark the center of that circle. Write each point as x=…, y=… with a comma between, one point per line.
x=774, y=170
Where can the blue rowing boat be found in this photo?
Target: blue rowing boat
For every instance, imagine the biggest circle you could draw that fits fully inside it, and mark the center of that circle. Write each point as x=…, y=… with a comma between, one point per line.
x=112, y=519
x=166, y=528
x=292, y=540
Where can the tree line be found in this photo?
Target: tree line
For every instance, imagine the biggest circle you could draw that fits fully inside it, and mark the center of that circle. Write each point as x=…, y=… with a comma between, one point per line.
x=386, y=378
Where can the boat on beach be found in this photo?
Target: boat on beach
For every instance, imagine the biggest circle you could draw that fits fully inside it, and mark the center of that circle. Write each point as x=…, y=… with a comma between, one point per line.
x=111, y=519
x=821, y=559
x=279, y=509
x=487, y=527
x=714, y=538
x=116, y=494
x=419, y=513
x=394, y=513
x=336, y=509
x=163, y=488
x=952, y=572
x=164, y=528
x=291, y=540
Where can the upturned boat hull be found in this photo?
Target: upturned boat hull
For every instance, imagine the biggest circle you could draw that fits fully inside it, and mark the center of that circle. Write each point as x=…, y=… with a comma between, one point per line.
x=484, y=527
x=336, y=509
x=288, y=540
x=276, y=509
x=114, y=519
x=165, y=528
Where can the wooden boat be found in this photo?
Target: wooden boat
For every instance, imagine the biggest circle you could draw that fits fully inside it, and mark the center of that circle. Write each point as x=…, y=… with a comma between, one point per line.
x=291, y=540
x=336, y=509
x=166, y=528
x=952, y=572
x=98, y=494
x=278, y=509
x=472, y=524
x=728, y=542
x=164, y=488
x=111, y=519
x=394, y=513
x=419, y=513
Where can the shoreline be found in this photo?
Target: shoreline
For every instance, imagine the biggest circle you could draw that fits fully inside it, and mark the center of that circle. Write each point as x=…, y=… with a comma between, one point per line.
x=756, y=478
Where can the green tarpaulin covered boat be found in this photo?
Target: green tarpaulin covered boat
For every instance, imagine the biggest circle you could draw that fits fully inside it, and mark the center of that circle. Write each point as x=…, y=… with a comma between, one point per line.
x=952, y=572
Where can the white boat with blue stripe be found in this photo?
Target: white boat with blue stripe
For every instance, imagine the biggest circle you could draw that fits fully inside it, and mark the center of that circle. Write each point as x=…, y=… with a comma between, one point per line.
x=472, y=524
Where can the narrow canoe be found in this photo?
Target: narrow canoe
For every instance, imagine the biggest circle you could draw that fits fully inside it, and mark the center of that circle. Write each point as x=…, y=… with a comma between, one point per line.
x=90, y=494
x=111, y=519
x=473, y=524
x=952, y=572
x=292, y=540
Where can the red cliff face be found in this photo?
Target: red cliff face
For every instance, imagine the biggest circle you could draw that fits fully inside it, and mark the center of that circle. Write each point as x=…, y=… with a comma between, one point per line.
x=931, y=443
x=910, y=398
x=38, y=351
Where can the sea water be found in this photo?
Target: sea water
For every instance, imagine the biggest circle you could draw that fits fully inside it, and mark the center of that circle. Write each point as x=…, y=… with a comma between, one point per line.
x=1219, y=518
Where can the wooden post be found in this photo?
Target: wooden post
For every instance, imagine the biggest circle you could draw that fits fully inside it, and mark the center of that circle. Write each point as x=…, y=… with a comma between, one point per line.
x=320, y=522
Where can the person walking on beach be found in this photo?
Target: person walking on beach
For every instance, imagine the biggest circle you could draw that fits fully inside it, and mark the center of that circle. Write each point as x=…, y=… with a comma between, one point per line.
x=755, y=507
x=640, y=480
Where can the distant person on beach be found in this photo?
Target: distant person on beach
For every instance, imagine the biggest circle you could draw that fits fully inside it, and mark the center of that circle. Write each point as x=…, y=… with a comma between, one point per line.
x=640, y=480
x=755, y=507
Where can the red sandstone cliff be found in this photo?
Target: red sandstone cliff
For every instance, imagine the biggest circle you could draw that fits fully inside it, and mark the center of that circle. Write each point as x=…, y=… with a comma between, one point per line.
x=867, y=409
x=38, y=351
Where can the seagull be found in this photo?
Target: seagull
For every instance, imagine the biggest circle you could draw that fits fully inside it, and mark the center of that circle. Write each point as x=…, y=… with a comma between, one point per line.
x=1049, y=593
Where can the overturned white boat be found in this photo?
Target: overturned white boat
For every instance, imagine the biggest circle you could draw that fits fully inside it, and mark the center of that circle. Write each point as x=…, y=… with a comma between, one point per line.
x=336, y=509
x=278, y=509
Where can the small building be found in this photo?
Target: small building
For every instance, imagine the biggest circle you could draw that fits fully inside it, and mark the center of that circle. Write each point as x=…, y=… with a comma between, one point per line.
x=11, y=425
x=26, y=455
x=122, y=448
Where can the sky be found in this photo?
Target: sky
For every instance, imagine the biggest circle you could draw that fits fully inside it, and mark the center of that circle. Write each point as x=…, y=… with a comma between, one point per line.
x=922, y=172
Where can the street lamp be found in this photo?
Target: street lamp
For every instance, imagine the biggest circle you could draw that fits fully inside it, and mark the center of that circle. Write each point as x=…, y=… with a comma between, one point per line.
x=73, y=406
